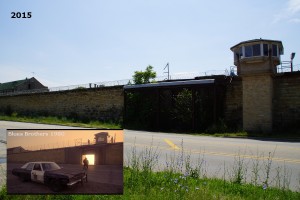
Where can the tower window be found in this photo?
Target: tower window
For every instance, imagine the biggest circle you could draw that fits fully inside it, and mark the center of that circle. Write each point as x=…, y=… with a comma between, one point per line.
x=248, y=51
x=266, y=49
x=256, y=49
x=274, y=50
x=241, y=52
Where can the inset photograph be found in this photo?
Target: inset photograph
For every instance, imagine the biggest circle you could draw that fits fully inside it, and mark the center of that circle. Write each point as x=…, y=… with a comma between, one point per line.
x=65, y=161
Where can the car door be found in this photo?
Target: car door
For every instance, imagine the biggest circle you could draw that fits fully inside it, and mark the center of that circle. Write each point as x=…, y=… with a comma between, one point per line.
x=37, y=173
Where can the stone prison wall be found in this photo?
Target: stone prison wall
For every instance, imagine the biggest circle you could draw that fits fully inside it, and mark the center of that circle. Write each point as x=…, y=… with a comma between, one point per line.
x=107, y=103
x=97, y=103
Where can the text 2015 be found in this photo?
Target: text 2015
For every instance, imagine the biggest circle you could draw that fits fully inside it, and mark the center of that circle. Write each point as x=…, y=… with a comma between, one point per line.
x=21, y=15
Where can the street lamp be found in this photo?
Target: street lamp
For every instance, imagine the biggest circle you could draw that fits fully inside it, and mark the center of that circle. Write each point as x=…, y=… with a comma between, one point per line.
x=292, y=58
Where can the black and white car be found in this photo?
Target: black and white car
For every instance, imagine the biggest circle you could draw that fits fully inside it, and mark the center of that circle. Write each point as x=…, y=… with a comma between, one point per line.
x=50, y=174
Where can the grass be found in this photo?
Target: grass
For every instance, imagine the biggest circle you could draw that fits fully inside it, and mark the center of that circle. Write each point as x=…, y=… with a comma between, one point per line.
x=165, y=185
x=2, y=176
x=233, y=134
x=60, y=121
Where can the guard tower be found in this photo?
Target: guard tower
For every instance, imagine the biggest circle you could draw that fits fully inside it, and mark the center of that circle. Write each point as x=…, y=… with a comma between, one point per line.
x=256, y=62
x=101, y=137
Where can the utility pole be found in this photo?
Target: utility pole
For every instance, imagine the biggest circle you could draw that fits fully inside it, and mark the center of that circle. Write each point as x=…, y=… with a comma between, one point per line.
x=168, y=72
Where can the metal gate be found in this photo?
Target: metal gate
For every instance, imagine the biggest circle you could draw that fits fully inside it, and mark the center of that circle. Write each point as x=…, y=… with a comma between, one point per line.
x=187, y=106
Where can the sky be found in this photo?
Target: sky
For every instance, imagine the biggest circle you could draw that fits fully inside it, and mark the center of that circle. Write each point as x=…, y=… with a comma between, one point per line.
x=48, y=139
x=74, y=42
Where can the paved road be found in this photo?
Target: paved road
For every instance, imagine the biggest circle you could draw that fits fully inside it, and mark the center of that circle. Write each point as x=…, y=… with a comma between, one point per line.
x=217, y=154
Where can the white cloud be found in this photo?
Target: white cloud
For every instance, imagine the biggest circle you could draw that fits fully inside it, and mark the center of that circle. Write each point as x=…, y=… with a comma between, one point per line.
x=289, y=13
x=294, y=6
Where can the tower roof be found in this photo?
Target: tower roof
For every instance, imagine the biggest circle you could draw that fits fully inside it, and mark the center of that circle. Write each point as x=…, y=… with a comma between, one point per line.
x=258, y=41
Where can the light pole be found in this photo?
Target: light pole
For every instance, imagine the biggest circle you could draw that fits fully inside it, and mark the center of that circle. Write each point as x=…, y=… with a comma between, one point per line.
x=292, y=58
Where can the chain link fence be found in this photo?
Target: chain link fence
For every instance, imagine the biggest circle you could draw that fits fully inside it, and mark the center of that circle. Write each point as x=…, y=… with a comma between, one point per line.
x=116, y=83
x=232, y=71
x=61, y=144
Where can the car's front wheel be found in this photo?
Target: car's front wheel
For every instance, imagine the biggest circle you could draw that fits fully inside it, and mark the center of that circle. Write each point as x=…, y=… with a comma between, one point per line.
x=55, y=185
x=22, y=178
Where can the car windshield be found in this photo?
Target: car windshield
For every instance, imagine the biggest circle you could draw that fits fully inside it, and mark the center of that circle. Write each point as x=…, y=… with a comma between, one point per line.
x=28, y=166
x=24, y=166
x=50, y=166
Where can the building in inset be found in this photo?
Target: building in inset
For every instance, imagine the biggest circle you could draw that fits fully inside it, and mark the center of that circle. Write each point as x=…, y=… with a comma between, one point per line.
x=18, y=149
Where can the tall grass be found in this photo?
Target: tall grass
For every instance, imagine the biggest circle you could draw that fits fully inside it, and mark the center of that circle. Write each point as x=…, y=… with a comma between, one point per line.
x=2, y=175
x=180, y=178
x=61, y=121
x=2, y=182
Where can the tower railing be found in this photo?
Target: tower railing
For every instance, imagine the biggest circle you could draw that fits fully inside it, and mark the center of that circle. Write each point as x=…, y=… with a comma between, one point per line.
x=285, y=66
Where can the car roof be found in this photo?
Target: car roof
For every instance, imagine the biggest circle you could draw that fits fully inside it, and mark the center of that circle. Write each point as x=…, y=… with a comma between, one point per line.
x=41, y=162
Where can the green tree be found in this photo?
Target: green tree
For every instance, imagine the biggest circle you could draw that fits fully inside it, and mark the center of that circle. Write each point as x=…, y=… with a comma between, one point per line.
x=182, y=112
x=141, y=77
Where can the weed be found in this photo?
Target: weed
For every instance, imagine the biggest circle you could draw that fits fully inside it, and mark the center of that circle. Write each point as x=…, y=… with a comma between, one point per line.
x=283, y=177
x=278, y=177
x=255, y=168
x=299, y=182
x=239, y=169
x=267, y=166
x=286, y=178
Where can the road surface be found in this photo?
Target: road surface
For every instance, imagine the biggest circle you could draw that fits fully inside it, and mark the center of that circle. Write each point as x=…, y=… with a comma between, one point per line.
x=219, y=156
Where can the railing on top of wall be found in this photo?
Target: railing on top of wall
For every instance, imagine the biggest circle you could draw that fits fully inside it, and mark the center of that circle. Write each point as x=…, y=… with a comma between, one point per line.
x=91, y=85
x=61, y=144
x=286, y=66
x=178, y=76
